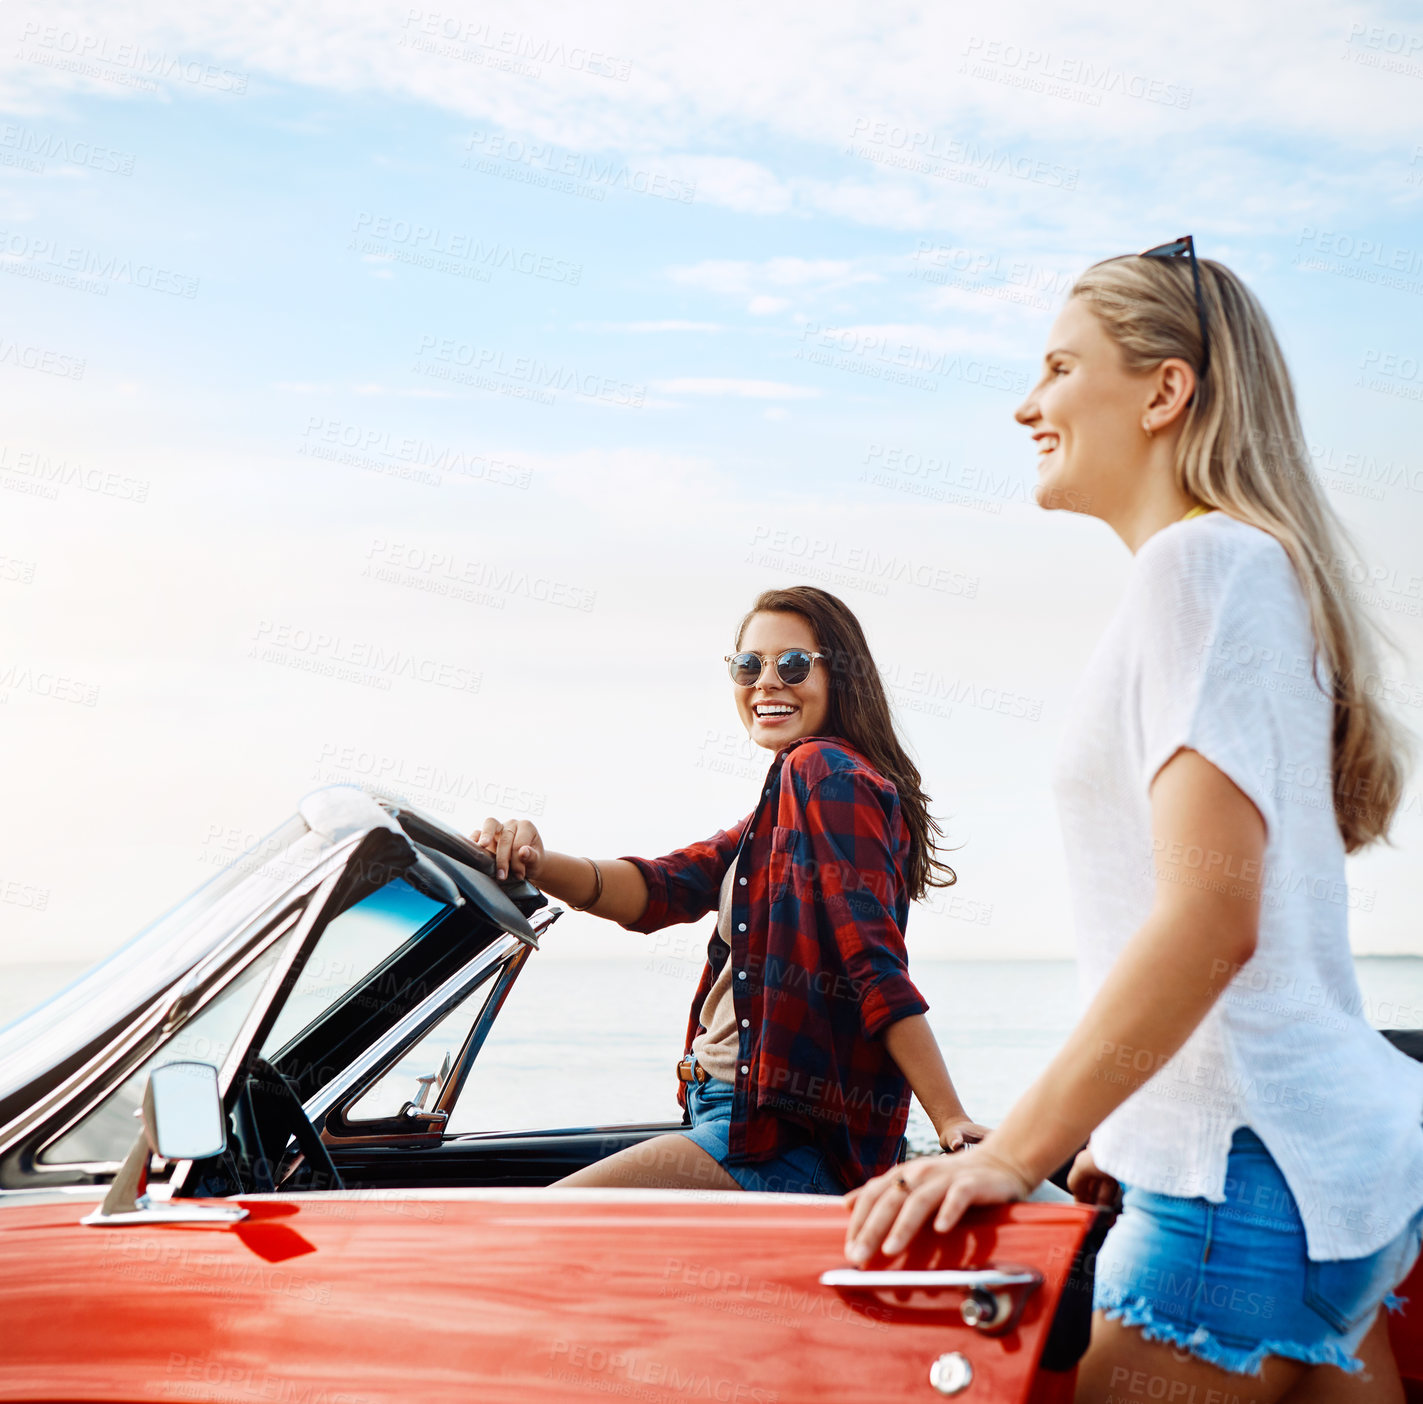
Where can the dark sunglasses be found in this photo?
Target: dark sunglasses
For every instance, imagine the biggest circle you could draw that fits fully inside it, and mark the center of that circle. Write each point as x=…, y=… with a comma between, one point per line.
x=1185, y=247
x=792, y=667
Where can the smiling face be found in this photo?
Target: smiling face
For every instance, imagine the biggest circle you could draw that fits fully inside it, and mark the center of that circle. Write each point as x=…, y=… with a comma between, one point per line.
x=774, y=714
x=1086, y=415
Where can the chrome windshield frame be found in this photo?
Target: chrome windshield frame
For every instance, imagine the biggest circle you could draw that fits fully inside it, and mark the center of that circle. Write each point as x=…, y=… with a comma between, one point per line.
x=161, y=1031
x=220, y=929
x=373, y=1063
x=278, y=892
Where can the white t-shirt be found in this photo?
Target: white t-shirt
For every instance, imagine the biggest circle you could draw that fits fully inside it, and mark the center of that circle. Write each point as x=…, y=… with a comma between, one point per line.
x=1212, y=649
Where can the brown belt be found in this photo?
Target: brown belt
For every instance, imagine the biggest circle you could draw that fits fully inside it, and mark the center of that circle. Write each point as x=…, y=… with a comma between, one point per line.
x=689, y=1070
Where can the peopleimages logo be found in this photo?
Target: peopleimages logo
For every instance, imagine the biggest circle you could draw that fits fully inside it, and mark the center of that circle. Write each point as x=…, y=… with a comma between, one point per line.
x=924, y=690
x=360, y=446
x=454, y=36
x=42, y=146
x=446, y=250
x=22, y=248
x=430, y=780
x=1391, y=373
x=846, y=563
x=42, y=359
x=883, y=356
x=123, y=61
x=465, y=363
x=354, y=660
x=540, y=162
x=933, y=150
x=40, y=473
x=445, y=572
x=1080, y=80
x=40, y=682
x=1365, y=260
x=1394, y=257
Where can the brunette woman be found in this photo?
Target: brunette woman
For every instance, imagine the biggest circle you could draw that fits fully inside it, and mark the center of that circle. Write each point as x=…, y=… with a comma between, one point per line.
x=1266, y=1139
x=806, y=1034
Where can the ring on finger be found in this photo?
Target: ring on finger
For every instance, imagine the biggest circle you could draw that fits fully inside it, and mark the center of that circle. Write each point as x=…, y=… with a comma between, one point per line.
x=902, y=1183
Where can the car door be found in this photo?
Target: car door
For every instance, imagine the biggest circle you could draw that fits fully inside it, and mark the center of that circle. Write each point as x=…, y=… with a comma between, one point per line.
x=436, y=1290
x=530, y=1295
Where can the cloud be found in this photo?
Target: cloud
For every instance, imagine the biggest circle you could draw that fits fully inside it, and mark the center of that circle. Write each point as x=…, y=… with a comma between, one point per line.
x=737, y=184
x=671, y=325
x=921, y=337
x=366, y=389
x=740, y=389
x=740, y=277
x=1055, y=87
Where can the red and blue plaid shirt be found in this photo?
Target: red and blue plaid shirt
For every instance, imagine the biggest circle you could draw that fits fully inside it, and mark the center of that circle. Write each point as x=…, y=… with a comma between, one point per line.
x=818, y=912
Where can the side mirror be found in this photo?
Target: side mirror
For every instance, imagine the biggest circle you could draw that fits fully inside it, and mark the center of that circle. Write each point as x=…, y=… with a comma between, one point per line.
x=182, y=1120
x=182, y=1112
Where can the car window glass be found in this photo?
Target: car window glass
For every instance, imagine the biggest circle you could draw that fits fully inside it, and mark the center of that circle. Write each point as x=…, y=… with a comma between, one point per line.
x=353, y=946
x=425, y=1060
x=108, y=1132
x=568, y=1049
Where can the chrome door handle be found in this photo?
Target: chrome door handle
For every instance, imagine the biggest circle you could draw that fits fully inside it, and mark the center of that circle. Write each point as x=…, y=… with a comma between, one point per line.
x=989, y=1279
x=995, y=1296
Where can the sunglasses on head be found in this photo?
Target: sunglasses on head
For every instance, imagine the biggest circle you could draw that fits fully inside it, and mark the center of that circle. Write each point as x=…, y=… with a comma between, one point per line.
x=1185, y=247
x=792, y=666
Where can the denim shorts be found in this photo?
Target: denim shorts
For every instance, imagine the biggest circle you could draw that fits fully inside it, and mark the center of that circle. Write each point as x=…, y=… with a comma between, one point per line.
x=1232, y=1283
x=803, y=1169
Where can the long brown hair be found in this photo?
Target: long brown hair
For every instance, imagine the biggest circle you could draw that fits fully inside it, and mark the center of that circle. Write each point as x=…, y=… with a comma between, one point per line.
x=859, y=712
x=1243, y=451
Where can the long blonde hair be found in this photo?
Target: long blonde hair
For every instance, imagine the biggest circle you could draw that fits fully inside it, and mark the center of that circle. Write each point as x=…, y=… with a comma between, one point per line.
x=1242, y=451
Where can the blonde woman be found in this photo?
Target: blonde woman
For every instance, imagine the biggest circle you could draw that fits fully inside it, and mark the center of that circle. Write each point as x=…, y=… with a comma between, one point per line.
x=1266, y=1139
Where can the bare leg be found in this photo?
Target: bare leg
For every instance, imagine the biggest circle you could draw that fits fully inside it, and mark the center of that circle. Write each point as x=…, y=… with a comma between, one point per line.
x=1378, y=1384
x=1122, y=1367
x=664, y=1162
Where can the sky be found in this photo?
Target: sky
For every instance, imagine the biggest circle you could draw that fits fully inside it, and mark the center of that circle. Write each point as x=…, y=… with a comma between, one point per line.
x=420, y=396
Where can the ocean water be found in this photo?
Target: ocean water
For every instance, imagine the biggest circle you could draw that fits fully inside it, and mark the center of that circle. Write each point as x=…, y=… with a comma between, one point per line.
x=593, y=1042
x=600, y=1038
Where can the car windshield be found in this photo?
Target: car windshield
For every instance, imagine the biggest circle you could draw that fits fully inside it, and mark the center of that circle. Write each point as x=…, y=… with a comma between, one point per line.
x=350, y=959
x=349, y=971
x=156, y=958
x=107, y=1133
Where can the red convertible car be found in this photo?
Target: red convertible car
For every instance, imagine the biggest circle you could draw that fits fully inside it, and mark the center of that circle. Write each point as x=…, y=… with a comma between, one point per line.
x=225, y=1175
